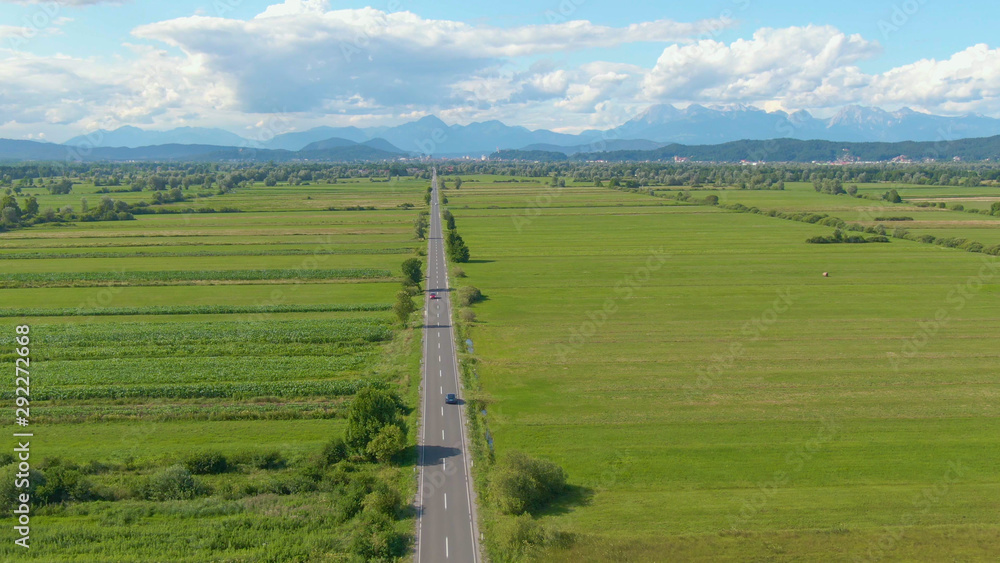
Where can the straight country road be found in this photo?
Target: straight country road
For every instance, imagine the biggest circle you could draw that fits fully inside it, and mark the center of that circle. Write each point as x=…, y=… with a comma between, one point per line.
x=446, y=513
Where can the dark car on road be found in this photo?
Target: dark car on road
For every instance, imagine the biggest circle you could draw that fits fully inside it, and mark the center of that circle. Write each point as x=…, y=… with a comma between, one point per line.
x=451, y=399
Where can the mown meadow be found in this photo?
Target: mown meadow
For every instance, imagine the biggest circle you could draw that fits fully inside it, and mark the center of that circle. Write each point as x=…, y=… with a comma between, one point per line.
x=192, y=374
x=717, y=389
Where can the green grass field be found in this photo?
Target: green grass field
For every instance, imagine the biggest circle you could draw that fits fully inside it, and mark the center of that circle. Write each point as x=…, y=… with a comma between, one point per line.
x=242, y=334
x=713, y=397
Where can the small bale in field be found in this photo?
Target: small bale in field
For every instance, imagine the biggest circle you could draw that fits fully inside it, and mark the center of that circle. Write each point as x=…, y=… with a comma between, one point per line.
x=826, y=274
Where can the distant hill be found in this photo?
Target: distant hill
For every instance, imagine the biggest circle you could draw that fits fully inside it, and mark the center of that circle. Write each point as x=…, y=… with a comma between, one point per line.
x=299, y=140
x=794, y=150
x=336, y=142
x=12, y=150
x=348, y=153
x=382, y=145
x=599, y=145
x=333, y=143
x=530, y=156
x=134, y=137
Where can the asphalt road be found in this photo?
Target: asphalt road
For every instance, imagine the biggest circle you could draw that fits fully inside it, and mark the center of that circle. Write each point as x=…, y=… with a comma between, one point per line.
x=446, y=519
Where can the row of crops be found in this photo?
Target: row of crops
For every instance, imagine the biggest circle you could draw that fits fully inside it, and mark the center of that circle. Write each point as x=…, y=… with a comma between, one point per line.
x=197, y=253
x=208, y=339
x=91, y=279
x=194, y=310
x=240, y=390
x=206, y=359
x=76, y=243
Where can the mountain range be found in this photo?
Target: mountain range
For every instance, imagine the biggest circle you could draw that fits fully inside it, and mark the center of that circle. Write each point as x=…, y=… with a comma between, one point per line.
x=656, y=127
x=330, y=150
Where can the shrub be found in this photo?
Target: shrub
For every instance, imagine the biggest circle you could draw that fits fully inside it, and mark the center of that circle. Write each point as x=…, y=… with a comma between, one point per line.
x=383, y=500
x=950, y=242
x=411, y=288
x=520, y=484
x=206, y=463
x=377, y=539
x=892, y=196
x=9, y=492
x=334, y=451
x=288, y=485
x=467, y=316
x=64, y=484
x=459, y=272
x=350, y=498
x=271, y=459
x=712, y=200
x=820, y=240
x=514, y=538
x=469, y=295
x=957, y=207
x=174, y=483
x=389, y=440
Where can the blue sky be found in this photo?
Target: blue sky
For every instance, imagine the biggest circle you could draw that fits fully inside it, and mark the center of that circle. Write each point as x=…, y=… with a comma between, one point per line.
x=296, y=63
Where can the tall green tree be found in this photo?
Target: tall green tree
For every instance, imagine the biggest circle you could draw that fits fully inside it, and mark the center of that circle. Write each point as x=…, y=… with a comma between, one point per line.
x=371, y=410
x=31, y=206
x=412, y=270
x=456, y=248
x=404, y=306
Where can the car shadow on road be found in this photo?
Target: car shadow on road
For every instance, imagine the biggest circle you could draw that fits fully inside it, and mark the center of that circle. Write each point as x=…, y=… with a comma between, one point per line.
x=442, y=325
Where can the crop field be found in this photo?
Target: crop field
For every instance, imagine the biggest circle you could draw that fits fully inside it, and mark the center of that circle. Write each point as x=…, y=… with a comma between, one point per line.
x=713, y=396
x=177, y=337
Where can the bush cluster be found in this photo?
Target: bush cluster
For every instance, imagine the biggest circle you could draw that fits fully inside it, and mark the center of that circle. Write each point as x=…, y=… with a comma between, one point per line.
x=469, y=295
x=519, y=484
